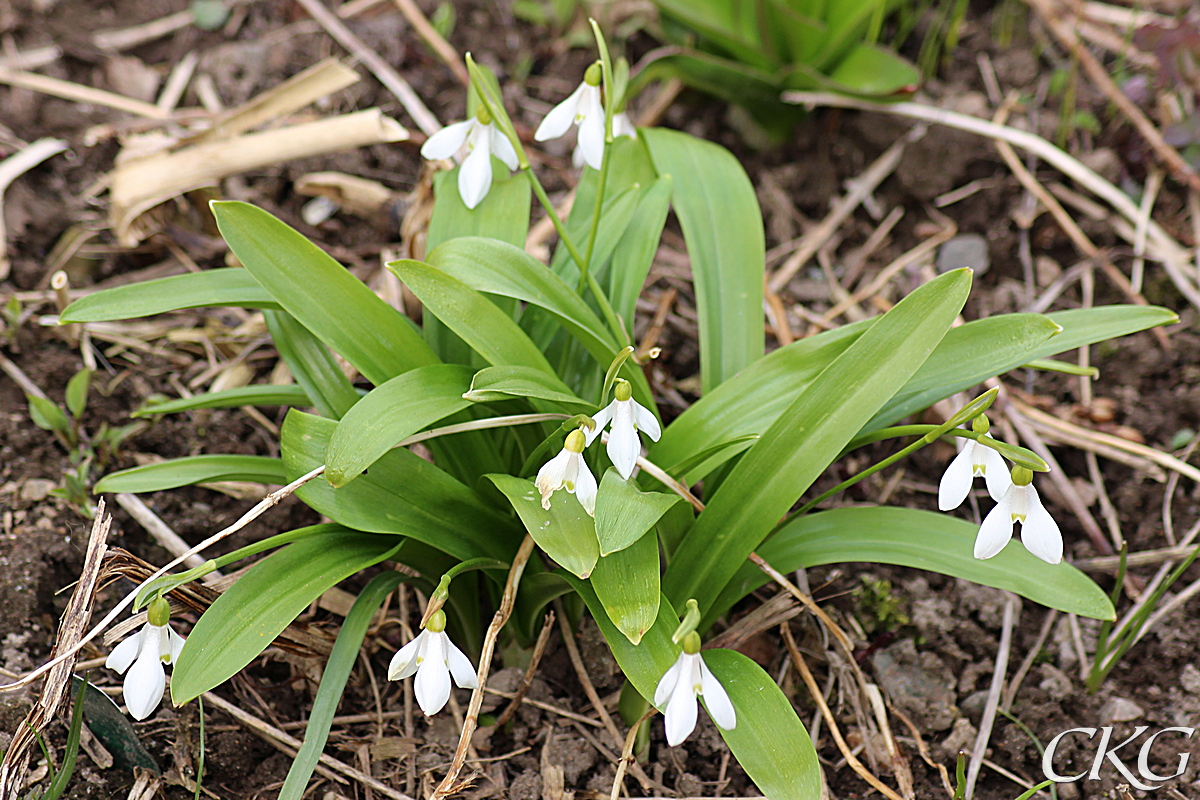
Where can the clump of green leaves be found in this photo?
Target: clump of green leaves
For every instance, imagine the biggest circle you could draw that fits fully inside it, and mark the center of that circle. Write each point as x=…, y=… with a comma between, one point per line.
x=880, y=608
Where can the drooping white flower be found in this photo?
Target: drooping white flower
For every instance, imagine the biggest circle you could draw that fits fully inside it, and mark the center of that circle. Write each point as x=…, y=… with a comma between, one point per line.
x=974, y=459
x=627, y=417
x=147, y=651
x=679, y=687
x=1039, y=531
x=433, y=658
x=482, y=140
x=585, y=109
x=569, y=471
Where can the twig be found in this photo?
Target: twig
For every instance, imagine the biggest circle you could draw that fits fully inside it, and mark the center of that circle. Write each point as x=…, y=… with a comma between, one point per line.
x=80, y=94
x=627, y=753
x=1011, y=607
x=923, y=749
x=13, y=167
x=900, y=767
x=161, y=531
x=22, y=380
x=539, y=648
x=434, y=39
x=1010, y=692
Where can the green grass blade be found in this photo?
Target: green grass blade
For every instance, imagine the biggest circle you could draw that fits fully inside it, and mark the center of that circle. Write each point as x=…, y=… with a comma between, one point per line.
x=312, y=365
x=257, y=395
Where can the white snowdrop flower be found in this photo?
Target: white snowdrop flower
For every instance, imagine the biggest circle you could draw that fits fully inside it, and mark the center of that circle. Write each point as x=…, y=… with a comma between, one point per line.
x=1039, y=531
x=482, y=140
x=679, y=687
x=147, y=650
x=974, y=459
x=585, y=109
x=622, y=126
x=433, y=658
x=569, y=471
x=627, y=417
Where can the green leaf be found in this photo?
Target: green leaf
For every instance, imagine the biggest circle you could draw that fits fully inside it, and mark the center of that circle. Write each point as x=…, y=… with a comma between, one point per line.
x=722, y=225
x=248, y=615
x=337, y=307
x=798, y=447
x=564, y=531
x=214, y=287
x=402, y=494
x=391, y=413
x=624, y=513
x=496, y=384
x=503, y=214
x=312, y=365
x=922, y=539
x=77, y=392
x=628, y=585
x=47, y=415
x=635, y=251
x=193, y=469
x=112, y=728
x=258, y=395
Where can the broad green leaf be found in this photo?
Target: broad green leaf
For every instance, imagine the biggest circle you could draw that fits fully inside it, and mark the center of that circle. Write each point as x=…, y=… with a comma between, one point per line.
x=635, y=251
x=111, y=726
x=922, y=539
x=248, y=615
x=564, y=531
x=193, y=469
x=77, y=392
x=258, y=395
x=47, y=415
x=732, y=26
x=496, y=384
x=801, y=443
x=503, y=214
x=337, y=307
x=391, y=413
x=722, y=225
x=214, y=287
x=401, y=494
x=614, y=219
x=628, y=584
x=624, y=513
x=312, y=365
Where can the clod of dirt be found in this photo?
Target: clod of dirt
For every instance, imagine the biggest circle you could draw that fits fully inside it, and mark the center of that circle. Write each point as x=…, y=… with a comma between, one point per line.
x=1055, y=682
x=920, y=684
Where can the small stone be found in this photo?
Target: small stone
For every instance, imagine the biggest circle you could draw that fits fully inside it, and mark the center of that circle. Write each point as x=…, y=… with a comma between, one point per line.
x=961, y=737
x=1118, y=709
x=1189, y=679
x=1068, y=791
x=1047, y=270
x=965, y=250
x=1055, y=682
x=919, y=684
x=1105, y=162
x=35, y=489
x=972, y=707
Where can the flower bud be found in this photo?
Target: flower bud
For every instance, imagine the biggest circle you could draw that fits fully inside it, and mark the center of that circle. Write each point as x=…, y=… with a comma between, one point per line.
x=622, y=391
x=159, y=612
x=594, y=74
x=1022, y=476
x=980, y=424
x=576, y=441
x=437, y=622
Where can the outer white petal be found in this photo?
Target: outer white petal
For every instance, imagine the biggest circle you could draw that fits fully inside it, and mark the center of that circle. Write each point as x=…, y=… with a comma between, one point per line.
x=716, y=699
x=146, y=680
x=591, y=136
x=432, y=686
x=623, y=444
x=996, y=475
x=475, y=174
x=124, y=653
x=956, y=480
x=1039, y=531
x=174, y=646
x=502, y=148
x=997, y=528
x=404, y=663
x=550, y=476
x=601, y=418
x=577, y=157
x=623, y=126
x=645, y=420
x=560, y=118
x=585, y=488
x=446, y=142
x=460, y=667
x=681, y=707
x=667, y=683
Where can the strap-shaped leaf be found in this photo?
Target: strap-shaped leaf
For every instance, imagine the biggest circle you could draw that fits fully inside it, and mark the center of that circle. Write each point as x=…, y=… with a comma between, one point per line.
x=193, y=469
x=923, y=539
x=248, y=616
x=624, y=512
x=312, y=365
x=391, y=413
x=401, y=494
x=798, y=447
x=503, y=214
x=722, y=225
x=256, y=395
x=214, y=287
x=635, y=251
x=496, y=384
x=628, y=584
x=337, y=307
x=564, y=531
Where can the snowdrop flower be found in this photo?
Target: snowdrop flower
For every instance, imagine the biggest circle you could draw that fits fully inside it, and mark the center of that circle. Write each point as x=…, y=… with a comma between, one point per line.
x=569, y=471
x=482, y=140
x=433, y=658
x=627, y=417
x=974, y=459
x=582, y=108
x=1039, y=531
x=687, y=678
x=147, y=650
x=622, y=126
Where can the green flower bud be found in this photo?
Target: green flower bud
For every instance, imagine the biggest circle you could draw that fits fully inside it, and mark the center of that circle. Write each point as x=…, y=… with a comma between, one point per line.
x=483, y=116
x=1022, y=476
x=159, y=612
x=622, y=391
x=980, y=424
x=576, y=441
x=691, y=643
x=437, y=622
x=594, y=74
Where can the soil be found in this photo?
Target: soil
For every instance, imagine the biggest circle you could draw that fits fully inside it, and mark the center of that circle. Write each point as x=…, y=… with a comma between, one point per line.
x=929, y=641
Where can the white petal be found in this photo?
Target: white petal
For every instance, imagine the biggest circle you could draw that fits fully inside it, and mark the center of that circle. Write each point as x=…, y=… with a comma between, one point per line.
x=550, y=476
x=446, y=142
x=404, y=663
x=577, y=157
x=460, y=667
x=681, y=709
x=667, y=683
x=996, y=475
x=145, y=684
x=716, y=699
x=623, y=126
x=174, y=645
x=601, y=418
x=124, y=653
x=591, y=138
x=502, y=148
x=585, y=488
x=432, y=686
x=475, y=175
x=645, y=420
x=956, y=480
x=623, y=444
x=560, y=118
x=996, y=529
x=1039, y=531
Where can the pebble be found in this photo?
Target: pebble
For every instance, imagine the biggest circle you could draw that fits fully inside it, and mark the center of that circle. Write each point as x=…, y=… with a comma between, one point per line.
x=965, y=250
x=1118, y=709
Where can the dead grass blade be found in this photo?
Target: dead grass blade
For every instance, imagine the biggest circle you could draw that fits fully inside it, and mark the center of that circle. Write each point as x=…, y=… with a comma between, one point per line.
x=12, y=168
